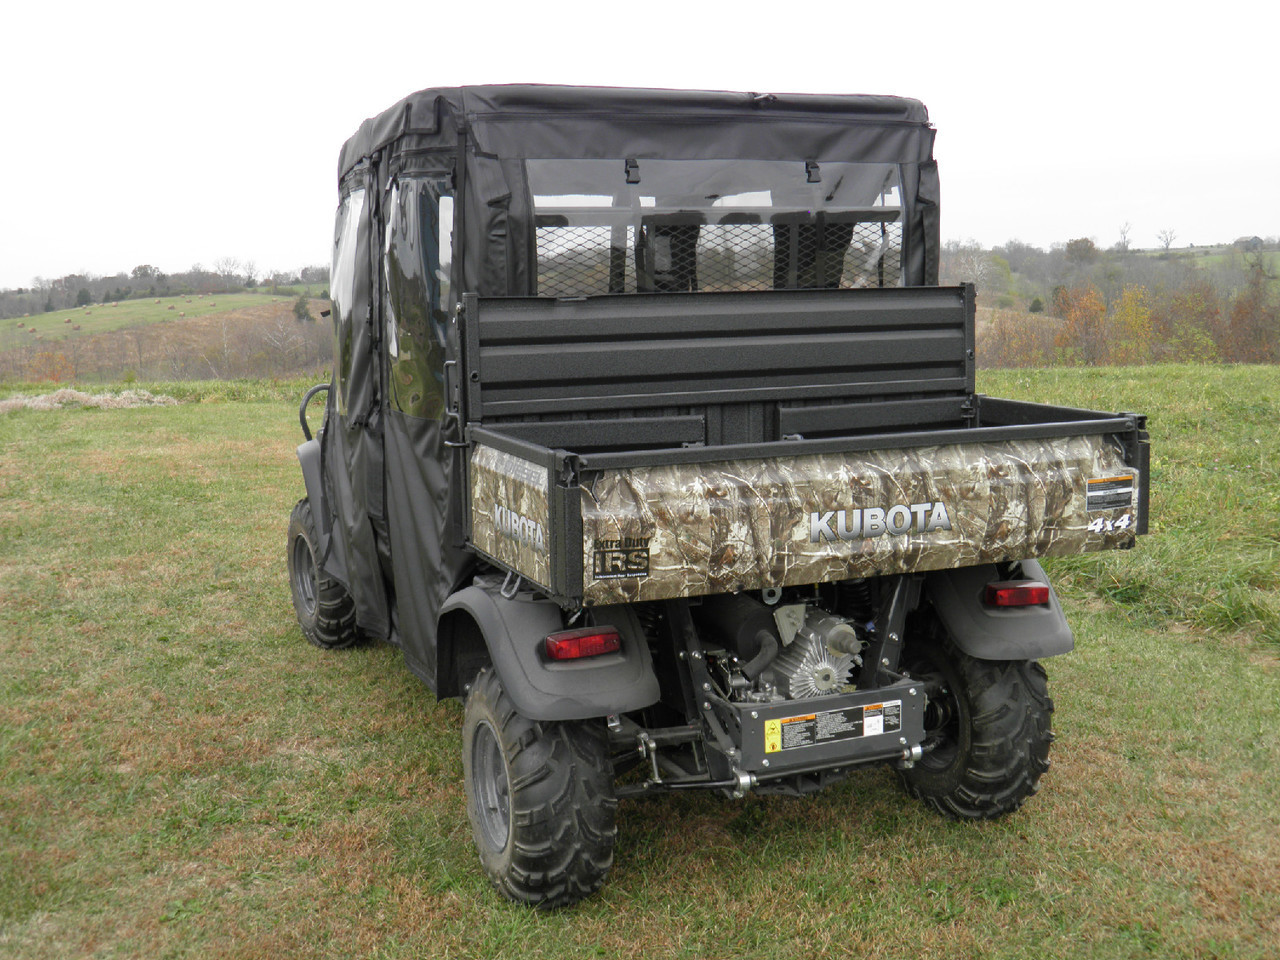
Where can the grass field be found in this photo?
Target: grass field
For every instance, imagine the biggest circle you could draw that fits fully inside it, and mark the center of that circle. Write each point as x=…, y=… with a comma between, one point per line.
x=102, y=318
x=182, y=775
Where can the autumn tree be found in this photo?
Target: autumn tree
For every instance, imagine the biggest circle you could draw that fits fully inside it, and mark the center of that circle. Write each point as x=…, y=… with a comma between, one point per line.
x=1251, y=333
x=1082, y=250
x=1129, y=331
x=49, y=365
x=1185, y=322
x=1080, y=339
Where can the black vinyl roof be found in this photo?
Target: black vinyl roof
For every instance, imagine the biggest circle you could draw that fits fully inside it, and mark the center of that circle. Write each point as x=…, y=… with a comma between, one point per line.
x=532, y=120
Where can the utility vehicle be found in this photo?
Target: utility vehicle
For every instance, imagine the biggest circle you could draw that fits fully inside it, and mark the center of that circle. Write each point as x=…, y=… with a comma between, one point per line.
x=652, y=436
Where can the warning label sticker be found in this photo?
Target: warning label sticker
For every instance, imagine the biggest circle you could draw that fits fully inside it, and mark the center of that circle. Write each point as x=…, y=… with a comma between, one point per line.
x=811, y=729
x=1109, y=493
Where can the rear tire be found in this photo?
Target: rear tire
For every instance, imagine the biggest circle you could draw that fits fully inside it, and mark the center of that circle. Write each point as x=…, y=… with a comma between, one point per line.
x=987, y=731
x=326, y=612
x=540, y=799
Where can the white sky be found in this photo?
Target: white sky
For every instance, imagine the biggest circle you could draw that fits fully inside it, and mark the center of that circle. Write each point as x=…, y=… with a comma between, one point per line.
x=174, y=134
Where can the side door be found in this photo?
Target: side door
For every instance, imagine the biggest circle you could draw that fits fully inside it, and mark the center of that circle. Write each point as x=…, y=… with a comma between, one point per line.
x=423, y=459
x=352, y=450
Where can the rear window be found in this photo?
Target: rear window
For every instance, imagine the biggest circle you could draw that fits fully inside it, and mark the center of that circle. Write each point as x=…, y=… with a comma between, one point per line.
x=637, y=225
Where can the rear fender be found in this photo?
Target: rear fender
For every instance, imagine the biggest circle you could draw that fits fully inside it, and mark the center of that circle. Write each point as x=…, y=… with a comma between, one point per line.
x=513, y=631
x=997, y=633
x=309, y=460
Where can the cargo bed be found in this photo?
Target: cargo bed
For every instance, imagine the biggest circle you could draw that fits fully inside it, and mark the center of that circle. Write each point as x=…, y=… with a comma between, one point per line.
x=653, y=447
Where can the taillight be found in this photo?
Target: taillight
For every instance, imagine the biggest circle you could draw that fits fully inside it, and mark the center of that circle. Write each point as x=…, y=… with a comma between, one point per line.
x=583, y=642
x=1017, y=593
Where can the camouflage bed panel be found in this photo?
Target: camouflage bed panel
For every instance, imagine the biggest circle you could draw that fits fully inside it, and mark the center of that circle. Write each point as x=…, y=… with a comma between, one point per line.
x=652, y=533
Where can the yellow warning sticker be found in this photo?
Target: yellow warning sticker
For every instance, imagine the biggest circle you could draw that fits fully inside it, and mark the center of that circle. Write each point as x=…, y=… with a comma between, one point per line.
x=811, y=729
x=772, y=736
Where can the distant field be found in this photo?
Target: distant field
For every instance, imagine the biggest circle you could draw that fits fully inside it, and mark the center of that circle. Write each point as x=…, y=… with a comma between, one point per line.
x=182, y=775
x=246, y=335
x=1210, y=256
x=102, y=318
x=294, y=290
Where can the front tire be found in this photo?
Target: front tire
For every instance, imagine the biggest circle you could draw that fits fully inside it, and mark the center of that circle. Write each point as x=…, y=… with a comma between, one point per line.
x=326, y=612
x=987, y=731
x=540, y=799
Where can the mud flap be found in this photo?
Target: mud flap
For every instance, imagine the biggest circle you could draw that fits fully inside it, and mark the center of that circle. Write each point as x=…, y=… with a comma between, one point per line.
x=514, y=630
x=997, y=633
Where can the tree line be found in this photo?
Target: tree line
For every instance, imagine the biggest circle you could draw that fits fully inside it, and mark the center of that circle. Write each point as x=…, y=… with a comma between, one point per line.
x=227, y=275
x=1077, y=303
x=1074, y=303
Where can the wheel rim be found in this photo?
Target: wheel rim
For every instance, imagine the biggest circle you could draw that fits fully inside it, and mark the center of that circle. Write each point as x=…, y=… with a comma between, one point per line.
x=942, y=726
x=492, y=789
x=304, y=575
x=945, y=714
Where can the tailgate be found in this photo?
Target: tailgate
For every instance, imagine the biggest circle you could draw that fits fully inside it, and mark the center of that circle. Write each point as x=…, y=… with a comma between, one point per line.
x=663, y=531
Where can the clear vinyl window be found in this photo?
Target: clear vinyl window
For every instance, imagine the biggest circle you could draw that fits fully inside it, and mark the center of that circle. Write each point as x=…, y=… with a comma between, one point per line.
x=627, y=226
x=342, y=284
x=418, y=255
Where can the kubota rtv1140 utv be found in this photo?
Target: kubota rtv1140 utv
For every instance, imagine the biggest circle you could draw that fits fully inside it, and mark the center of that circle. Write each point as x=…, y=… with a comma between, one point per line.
x=653, y=437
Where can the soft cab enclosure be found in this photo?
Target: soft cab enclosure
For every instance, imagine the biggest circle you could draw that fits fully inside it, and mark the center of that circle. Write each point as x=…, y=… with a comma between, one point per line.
x=631, y=345
x=652, y=435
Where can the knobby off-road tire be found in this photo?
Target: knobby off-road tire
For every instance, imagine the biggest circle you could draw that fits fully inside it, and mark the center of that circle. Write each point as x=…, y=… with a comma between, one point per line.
x=325, y=610
x=987, y=732
x=540, y=799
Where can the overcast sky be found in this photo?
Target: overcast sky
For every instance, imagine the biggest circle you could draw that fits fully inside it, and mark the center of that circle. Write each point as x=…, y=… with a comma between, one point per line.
x=175, y=134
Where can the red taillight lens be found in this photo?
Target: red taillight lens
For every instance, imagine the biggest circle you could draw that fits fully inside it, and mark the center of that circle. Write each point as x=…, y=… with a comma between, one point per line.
x=583, y=642
x=1017, y=593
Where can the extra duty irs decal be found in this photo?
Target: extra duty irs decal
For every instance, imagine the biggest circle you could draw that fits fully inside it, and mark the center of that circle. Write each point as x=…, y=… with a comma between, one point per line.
x=628, y=557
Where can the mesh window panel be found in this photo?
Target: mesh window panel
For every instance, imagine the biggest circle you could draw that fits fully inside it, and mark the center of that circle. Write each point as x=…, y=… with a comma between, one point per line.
x=585, y=261
x=874, y=257
x=578, y=261
x=735, y=256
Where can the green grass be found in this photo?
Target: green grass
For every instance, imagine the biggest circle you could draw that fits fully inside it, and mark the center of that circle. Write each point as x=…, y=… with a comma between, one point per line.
x=1214, y=558
x=182, y=775
x=102, y=318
